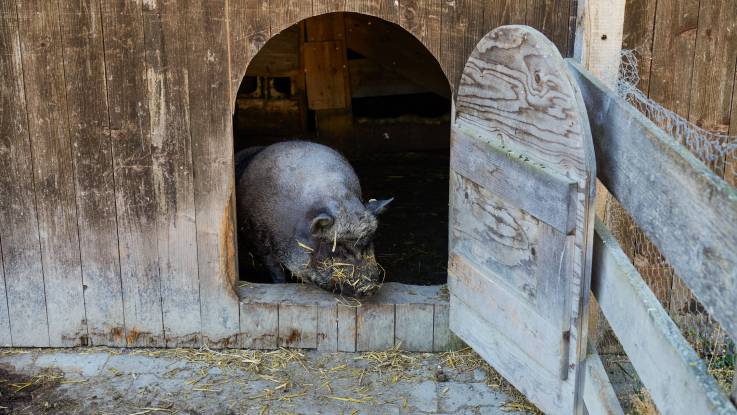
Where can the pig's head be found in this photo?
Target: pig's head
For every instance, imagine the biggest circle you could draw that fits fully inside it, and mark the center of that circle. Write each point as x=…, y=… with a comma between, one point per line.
x=334, y=248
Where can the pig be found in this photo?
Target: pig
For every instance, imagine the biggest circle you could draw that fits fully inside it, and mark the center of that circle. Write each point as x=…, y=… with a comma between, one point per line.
x=301, y=210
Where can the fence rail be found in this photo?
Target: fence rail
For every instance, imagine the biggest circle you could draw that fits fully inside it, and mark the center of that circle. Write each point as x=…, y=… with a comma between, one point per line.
x=691, y=216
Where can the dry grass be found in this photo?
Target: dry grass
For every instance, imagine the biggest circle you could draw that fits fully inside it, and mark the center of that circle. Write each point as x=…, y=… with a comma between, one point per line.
x=358, y=277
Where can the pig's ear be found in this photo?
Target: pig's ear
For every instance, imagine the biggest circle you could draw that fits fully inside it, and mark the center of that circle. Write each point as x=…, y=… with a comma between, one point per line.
x=376, y=207
x=320, y=223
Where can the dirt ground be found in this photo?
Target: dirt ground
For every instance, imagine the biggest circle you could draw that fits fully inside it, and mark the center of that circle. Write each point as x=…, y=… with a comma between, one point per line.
x=179, y=381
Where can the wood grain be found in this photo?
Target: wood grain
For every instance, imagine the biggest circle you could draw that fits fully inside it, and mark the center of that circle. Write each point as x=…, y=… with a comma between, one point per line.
x=327, y=328
x=43, y=73
x=673, y=373
x=260, y=326
x=384, y=9
x=176, y=234
x=509, y=361
x=414, y=327
x=516, y=94
x=130, y=129
x=374, y=327
x=441, y=328
x=250, y=29
x=598, y=393
x=639, y=21
x=599, y=38
x=5, y=339
x=285, y=13
x=422, y=19
x=298, y=326
x=503, y=12
x=210, y=102
x=462, y=27
x=674, y=40
x=553, y=19
x=685, y=201
x=93, y=170
x=327, y=6
x=346, y=328
x=326, y=74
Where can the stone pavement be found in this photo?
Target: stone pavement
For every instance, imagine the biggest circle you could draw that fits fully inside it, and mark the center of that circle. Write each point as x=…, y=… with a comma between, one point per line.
x=113, y=381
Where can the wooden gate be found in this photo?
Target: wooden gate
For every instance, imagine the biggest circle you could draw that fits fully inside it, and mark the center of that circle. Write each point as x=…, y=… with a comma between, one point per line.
x=521, y=217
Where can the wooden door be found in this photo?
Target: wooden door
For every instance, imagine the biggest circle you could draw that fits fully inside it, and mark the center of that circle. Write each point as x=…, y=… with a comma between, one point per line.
x=522, y=172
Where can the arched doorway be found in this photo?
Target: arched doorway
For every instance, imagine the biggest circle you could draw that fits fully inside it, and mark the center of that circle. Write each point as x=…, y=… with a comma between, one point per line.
x=372, y=91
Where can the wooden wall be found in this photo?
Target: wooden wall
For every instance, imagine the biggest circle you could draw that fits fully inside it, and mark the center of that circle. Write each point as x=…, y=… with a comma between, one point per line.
x=687, y=52
x=116, y=161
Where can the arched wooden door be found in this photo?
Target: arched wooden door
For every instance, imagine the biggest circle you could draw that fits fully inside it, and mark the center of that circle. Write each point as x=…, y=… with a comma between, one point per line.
x=521, y=216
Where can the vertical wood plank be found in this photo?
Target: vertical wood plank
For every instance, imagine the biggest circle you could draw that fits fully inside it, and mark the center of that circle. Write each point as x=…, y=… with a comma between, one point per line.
x=714, y=66
x=441, y=328
x=211, y=126
x=673, y=49
x=414, y=327
x=126, y=72
x=730, y=169
x=327, y=328
x=285, y=13
x=327, y=6
x=384, y=9
x=462, y=25
x=599, y=38
x=639, y=21
x=260, y=326
x=176, y=234
x=552, y=18
x=422, y=19
x=18, y=218
x=503, y=12
x=5, y=339
x=43, y=73
x=298, y=326
x=84, y=69
x=250, y=29
x=374, y=327
x=346, y=328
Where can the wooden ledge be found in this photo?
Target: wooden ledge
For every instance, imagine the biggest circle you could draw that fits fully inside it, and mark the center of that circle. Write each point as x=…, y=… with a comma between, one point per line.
x=303, y=316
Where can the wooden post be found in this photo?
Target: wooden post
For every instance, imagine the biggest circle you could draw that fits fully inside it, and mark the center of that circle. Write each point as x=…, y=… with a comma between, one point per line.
x=599, y=32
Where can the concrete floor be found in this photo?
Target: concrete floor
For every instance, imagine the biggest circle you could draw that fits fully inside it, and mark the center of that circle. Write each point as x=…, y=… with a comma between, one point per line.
x=111, y=381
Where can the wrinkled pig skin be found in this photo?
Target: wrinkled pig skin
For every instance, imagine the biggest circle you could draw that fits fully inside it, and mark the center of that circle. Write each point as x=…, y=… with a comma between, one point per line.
x=301, y=210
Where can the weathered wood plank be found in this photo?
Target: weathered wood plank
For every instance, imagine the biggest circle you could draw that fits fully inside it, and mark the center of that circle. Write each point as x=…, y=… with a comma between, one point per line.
x=5, y=339
x=599, y=38
x=598, y=393
x=676, y=23
x=539, y=190
x=675, y=376
x=383, y=9
x=285, y=13
x=326, y=75
x=346, y=328
x=519, y=323
x=327, y=6
x=553, y=19
x=210, y=102
x=390, y=293
x=298, y=326
x=441, y=341
x=43, y=73
x=639, y=22
x=130, y=129
x=714, y=65
x=374, y=327
x=462, y=25
x=414, y=327
x=422, y=19
x=503, y=12
x=684, y=200
x=260, y=323
x=250, y=29
x=509, y=361
x=18, y=218
x=327, y=328
x=516, y=89
x=168, y=105
x=513, y=247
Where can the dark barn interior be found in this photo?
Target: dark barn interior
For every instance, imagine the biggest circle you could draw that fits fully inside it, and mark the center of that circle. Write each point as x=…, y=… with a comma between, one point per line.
x=372, y=91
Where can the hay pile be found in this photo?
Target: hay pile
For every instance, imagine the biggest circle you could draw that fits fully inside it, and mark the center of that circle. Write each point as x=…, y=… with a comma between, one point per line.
x=357, y=277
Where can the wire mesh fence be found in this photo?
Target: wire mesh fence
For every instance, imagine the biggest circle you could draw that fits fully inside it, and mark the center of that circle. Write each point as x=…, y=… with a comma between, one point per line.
x=719, y=152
